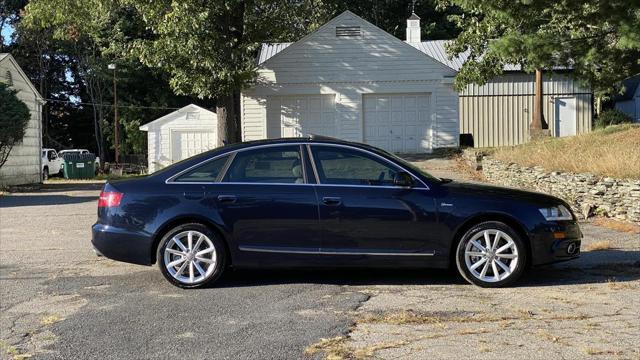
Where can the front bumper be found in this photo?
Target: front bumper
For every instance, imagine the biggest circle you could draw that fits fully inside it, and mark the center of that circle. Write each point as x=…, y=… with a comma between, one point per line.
x=122, y=245
x=555, y=242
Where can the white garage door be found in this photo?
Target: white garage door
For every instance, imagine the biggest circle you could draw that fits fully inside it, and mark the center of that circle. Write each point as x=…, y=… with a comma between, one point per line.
x=398, y=123
x=187, y=143
x=305, y=115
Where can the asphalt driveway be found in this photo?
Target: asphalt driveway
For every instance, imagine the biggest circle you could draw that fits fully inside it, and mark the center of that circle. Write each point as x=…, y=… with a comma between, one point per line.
x=59, y=301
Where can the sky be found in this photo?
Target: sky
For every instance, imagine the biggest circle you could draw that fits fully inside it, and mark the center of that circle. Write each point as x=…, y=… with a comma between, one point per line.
x=6, y=34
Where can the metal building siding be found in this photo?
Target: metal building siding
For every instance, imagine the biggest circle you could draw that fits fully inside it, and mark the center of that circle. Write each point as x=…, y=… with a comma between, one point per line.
x=499, y=112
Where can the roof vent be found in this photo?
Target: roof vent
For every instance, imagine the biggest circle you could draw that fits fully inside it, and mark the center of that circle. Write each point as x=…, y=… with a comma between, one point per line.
x=348, y=31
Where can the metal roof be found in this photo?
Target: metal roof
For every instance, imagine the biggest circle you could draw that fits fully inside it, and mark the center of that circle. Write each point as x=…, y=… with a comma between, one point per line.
x=3, y=55
x=434, y=48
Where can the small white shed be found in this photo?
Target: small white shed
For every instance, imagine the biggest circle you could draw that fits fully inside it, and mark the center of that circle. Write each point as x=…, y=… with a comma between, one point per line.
x=23, y=165
x=181, y=134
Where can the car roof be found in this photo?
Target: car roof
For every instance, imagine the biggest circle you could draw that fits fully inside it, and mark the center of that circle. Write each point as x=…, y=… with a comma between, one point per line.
x=319, y=139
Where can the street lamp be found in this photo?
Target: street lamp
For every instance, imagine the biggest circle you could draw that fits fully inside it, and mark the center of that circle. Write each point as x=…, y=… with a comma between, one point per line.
x=116, y=135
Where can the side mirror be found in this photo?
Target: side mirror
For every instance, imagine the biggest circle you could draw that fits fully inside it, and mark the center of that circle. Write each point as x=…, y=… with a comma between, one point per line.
x=403, y=179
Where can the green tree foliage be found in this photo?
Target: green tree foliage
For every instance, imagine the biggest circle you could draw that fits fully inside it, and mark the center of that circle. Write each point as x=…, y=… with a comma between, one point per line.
x=391, y=15
x=14, y=118
x=209, y=47
x=599, y=39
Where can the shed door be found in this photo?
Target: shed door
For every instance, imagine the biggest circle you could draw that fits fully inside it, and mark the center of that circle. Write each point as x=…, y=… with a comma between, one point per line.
x=566, y=116
x=398, y=123
x=306, y=114
x=187, y=143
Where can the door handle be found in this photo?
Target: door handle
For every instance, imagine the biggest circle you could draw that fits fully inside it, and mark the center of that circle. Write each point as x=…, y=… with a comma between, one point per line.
x=331, y=201
x=193, y=195
x=227, y=199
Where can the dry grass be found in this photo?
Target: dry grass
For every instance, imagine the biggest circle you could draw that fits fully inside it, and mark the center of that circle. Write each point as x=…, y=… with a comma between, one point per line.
x=616, y=225
x=594, y=351
x=598, y=245
x=336, y=348
x=409, y=317
x=50, y=319
x=614, y=151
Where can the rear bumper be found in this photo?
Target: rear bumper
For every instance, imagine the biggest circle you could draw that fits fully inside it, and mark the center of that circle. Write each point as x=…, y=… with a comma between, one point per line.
x=122, y=245
x=555, y=242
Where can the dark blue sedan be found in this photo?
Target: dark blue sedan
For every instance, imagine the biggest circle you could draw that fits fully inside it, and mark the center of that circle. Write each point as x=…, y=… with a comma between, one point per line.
x=319, y=202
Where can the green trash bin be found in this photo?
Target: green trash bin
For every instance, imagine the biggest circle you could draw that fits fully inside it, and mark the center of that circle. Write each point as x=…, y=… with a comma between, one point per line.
x=79, y=166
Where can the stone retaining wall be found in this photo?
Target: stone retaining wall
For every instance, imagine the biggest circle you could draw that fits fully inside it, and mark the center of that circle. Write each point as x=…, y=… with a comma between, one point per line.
x=587, y=193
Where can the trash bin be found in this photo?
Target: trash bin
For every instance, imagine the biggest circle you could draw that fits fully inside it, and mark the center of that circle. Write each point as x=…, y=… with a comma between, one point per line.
x=79, y=166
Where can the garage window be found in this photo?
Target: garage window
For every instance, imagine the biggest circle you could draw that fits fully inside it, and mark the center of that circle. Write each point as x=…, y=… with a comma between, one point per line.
x=208, y=172
x=274, y=165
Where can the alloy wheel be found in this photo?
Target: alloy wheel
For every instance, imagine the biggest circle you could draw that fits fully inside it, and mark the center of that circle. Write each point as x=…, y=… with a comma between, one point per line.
x=491, y=255
x=190, y=257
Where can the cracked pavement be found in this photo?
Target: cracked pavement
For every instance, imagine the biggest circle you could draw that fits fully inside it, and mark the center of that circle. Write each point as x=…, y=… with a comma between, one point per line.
x=59, y=301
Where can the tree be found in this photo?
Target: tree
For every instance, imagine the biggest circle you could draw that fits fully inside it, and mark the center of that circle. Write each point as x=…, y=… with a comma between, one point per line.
x=14, y=118
x=599, y=39
x=208, y=47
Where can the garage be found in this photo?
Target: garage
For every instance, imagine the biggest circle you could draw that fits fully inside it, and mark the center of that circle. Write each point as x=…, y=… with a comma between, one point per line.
x=187, y=143
x=181, y=134
x=398, y=123
x=296, y=116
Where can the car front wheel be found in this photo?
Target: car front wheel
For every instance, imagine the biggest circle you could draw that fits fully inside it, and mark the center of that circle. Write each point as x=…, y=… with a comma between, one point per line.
x=491, y=254
x=191, y=256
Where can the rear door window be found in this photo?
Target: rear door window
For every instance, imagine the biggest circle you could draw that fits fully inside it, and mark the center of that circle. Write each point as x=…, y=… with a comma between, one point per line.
x=270, y=165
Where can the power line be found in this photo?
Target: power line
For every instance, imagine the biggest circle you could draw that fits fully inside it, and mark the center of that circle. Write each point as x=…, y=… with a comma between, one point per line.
x=111, y=105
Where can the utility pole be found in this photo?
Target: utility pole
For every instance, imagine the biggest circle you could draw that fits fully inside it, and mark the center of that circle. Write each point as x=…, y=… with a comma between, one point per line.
x=116, y=133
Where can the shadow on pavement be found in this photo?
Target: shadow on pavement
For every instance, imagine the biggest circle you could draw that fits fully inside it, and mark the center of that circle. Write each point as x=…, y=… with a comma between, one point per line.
x=551, y=275
x=10, y=201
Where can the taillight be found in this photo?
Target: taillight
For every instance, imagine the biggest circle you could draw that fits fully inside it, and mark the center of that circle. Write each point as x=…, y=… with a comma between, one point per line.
x=109, y=199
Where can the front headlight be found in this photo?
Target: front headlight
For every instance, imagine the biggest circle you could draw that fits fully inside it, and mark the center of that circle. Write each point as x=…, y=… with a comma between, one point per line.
x=554, y=213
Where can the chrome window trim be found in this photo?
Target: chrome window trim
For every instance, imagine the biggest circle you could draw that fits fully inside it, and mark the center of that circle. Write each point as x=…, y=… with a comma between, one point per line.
x=310, y=154
x=325, y=252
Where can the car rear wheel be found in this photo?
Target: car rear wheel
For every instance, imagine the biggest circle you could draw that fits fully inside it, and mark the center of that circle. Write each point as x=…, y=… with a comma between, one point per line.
x=191, y=256
x=491, y=254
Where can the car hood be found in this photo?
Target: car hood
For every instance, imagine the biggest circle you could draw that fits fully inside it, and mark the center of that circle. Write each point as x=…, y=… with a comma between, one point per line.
x=504, y=193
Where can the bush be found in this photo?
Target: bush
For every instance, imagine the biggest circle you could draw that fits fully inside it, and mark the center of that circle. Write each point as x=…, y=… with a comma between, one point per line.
x=14, y=118
x=612, y=117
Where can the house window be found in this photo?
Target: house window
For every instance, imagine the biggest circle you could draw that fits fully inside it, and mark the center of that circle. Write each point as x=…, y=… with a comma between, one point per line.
x=348, y=31
x=192, y=115
x=9, y=78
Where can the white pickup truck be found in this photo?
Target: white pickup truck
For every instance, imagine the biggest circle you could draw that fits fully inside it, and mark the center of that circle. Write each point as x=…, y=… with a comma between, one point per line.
x=78, y=152
x=51, y=163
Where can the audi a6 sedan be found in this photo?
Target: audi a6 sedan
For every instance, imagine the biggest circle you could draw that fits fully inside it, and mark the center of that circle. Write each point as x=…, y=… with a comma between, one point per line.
x=321, y=202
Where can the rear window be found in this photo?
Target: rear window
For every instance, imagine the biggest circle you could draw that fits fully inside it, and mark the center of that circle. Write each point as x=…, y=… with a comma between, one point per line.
x=207, y=172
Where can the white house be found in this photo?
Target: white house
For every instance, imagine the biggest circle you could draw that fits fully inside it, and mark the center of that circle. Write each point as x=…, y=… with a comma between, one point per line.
x=24, y=162
x=351, y=80
x=629, y=101
x=179, y=135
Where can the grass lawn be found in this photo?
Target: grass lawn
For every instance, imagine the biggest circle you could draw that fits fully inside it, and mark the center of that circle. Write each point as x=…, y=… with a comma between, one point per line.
x=614, y=152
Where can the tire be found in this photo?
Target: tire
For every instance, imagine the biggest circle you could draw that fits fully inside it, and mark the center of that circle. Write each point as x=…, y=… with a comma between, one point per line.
x=508, y=256
x=193, y=271
x=45, y=174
